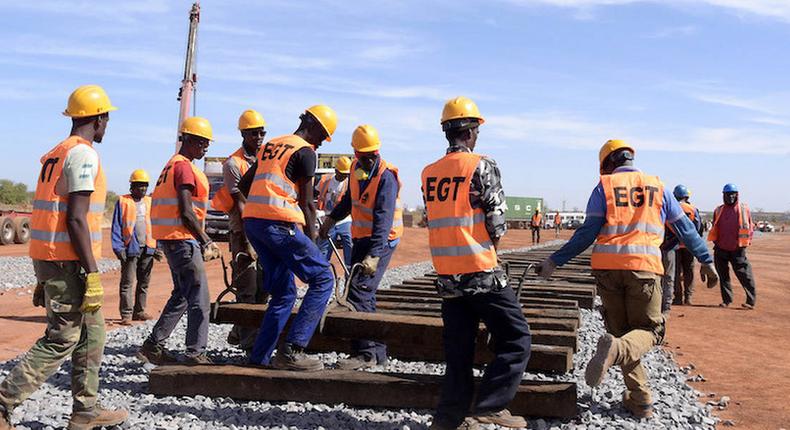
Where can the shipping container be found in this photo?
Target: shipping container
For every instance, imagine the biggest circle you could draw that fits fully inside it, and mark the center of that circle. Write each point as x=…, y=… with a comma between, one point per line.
x=520, y=209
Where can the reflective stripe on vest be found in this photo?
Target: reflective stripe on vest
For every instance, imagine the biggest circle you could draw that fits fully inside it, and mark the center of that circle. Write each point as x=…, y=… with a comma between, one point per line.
x=744, y=225
x=222, y=200
x=165, y=216
x=129, y=219
x=272, y=195
x=362, y=204
x=49, y=237
x=323, y=189
x=633, y=232
x=457, y=233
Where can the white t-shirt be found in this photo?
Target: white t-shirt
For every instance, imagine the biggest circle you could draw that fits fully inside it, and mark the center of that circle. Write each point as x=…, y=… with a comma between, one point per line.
x=79, y=170
x=333, y=191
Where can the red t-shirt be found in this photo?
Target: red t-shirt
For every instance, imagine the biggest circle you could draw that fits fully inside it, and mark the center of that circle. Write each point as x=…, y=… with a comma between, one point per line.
x=728, y=228
x=183, y=175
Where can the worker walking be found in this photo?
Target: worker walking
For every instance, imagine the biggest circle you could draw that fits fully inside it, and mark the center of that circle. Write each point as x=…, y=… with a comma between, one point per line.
x=557, y=224
x=331, y=189
x=230, y=200
x=66, y=237
x=178, y=213
x=535, y=225
x=684, y=259
x=626, y=215
x=465, y=206
x=134, y=245
x=731, y=234
x=373, y=200
x=280, y=222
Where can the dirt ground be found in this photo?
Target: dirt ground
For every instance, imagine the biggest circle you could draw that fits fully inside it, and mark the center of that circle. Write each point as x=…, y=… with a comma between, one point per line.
x=742, y=354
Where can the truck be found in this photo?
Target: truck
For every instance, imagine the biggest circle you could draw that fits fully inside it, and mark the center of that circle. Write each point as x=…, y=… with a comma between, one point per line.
x=520, y=209
x=14, y=225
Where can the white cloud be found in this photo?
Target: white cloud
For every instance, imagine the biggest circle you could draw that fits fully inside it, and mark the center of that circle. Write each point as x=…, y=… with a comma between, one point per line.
x=671, y=32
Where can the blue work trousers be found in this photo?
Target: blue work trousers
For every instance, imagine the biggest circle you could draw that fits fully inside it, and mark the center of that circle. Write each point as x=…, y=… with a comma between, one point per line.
x=190, y=295
x=284, y=251
x=362, y=295
x=339, y=233
x=501, y=313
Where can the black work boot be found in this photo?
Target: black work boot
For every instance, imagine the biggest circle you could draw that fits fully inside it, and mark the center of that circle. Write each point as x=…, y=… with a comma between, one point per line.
x=98, y=417
x=292, y=357
x=154, y=354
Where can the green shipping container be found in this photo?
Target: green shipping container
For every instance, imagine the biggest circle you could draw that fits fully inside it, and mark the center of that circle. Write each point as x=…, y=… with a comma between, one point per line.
x=522, y=208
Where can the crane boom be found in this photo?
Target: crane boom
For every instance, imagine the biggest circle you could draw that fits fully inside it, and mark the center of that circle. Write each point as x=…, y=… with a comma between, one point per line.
x=187, y=91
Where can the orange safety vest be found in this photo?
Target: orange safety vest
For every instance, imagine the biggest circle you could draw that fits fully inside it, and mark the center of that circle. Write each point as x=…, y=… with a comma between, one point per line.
x=691, y=213
x=457, y=232
x=323, y=188
x=129, y=219
x=362, y=205
x=222, y=200
x=165, y=216
x=49, y=237
x=536, y=220
x=273, y=196
x=631, y=236
x=557, y=220
x=744, y=221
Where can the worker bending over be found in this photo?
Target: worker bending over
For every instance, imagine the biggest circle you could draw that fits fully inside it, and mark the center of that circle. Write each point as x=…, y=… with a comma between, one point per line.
x=535, y=225
x=731, y=234
x=231, y=201
x=373, y=200
x=331, y=189
x=684, y=259
x=279, y=218
x=134, y=245
x=465, y=206
x=180, y=202
x=626, y=214
x=65, y=240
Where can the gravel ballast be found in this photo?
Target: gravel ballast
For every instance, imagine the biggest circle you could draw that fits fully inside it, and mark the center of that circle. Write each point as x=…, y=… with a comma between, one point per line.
x=124, y=379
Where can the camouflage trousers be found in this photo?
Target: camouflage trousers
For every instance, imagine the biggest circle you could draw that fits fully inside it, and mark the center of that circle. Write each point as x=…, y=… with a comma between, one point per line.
x=69, y=333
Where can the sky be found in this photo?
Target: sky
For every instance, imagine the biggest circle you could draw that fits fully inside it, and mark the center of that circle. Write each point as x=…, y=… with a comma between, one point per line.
x=700, y=88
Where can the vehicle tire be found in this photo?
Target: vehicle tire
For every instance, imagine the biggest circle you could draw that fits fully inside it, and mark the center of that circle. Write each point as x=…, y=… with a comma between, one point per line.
x=22, y=229
x=522, y=225
x=7, y=231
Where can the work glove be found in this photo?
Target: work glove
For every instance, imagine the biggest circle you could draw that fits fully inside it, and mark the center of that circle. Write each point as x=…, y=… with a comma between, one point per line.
x=94, y=293
x=546, y=268
x=38, y=296
x=210, y=251
x=370, y=264
x=708, y=274
x=159, y=255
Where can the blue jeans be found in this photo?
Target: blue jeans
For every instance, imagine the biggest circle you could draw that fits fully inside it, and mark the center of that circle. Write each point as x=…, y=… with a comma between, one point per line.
x=190, y=295
x=283, y=250
x=362, y=294
x=342, y=232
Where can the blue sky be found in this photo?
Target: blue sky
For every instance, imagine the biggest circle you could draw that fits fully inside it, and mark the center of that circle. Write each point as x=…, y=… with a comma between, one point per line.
x=701, y=88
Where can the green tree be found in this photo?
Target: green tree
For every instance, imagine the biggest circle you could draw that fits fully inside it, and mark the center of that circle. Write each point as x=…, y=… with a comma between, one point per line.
x=12, y=193
x=112, y=198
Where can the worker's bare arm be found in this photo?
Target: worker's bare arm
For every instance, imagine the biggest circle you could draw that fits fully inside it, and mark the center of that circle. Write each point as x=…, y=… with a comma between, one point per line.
x=77, y=226
x=187, y=214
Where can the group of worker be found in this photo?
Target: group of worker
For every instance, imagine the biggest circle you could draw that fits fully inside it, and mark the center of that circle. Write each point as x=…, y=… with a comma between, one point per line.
x=269, y=195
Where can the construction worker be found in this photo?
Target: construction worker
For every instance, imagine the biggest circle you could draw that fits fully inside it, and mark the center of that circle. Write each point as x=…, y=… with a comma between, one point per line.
x=331, y=189
x=557, y=224
x=684, y=260
x=134, y=245
x=66, y=237
x=465, y=206
x=280, y=222
x=668, y=247
x=731, y=234
x=626, y=215
x=373, y=200
x=535, y=225
x=230, y=200
x=178, y=212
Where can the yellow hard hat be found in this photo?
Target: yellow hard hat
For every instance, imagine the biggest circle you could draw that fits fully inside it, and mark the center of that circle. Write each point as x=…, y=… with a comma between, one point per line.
x=461, y=107
x=197, y=126
x=327, y=117
x=88, y=100
x=365, y=139
x=251, y=119
x=139, y=175
x=343, y=165
x=611, y=146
